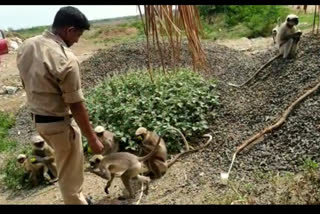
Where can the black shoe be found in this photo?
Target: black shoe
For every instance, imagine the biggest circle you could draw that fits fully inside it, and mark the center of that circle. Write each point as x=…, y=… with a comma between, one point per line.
x=89, y=200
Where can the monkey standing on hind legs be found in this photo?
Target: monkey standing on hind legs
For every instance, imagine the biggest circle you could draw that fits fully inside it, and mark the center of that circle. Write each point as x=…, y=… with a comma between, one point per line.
x=287, y=40
x=157, y=165
x=126, y=165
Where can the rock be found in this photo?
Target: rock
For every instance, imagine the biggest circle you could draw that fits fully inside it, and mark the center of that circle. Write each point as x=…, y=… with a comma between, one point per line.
x=10, y=89
x=13, y=45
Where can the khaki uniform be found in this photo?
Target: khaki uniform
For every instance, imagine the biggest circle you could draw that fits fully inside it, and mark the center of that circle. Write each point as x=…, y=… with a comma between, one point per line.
x=50, y=74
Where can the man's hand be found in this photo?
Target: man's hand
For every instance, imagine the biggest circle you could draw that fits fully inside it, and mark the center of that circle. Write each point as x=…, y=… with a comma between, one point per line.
x=80, y=115
x=95, y=145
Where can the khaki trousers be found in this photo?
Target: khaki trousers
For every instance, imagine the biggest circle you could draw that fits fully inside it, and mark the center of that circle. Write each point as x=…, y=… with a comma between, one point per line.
x=65, y=139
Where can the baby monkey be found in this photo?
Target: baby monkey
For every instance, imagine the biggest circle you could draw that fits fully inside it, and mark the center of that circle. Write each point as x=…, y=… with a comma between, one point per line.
x=275, y=30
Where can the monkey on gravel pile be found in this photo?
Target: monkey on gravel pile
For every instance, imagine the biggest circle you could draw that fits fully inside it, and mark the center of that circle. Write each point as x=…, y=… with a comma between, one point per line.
x=287, y=41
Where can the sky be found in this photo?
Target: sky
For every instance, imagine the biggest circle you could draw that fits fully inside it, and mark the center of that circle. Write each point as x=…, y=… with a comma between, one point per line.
x=26, y=16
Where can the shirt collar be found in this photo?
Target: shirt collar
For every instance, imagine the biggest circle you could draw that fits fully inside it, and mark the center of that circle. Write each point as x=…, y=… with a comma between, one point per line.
x=56, y=38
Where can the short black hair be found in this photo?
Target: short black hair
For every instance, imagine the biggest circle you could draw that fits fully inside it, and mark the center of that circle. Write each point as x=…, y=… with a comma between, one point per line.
x=71, y=16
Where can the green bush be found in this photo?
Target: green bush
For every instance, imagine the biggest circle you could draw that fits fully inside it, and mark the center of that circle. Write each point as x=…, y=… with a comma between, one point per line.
x=26, y=33
x=6, y=122
x=182, y=99
x=259, y=19
x=240, y=20
x=10, y=171
x=13, y=173
x=309, y=164
x=138, y=25
x=211, y=10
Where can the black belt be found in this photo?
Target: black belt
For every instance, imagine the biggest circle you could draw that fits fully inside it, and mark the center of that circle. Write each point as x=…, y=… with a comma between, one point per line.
x=47, y=119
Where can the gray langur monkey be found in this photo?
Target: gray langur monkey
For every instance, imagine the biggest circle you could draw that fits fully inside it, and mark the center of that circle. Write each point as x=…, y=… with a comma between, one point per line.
x=124, y=164
x=288, y=36
x=287, y=40
x=275, y=30
x=158, y=165
x=34, y=170
x=108, y=139
x=45, y=154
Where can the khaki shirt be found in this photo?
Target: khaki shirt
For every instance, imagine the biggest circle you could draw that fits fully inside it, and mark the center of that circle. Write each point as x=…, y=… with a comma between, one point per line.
x=50, y=75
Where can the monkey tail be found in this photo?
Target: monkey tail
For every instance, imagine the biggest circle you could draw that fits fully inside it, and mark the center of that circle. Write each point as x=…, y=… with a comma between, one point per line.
x=191, y=151
x=260, y=69
x=183, y=137
x=146, y=157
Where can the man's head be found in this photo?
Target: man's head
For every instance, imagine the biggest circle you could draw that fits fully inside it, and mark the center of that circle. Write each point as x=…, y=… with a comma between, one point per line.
x=69, y=23
x=292, y=20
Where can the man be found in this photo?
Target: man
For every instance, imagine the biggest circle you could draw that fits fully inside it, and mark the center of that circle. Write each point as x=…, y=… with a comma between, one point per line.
x=50, y=75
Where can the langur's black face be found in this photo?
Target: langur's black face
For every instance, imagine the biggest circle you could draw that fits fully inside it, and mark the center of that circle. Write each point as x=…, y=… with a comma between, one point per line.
x=21, y=160
x=100, y=134
x=138, y=138
x=293, y=21
x=39, y=144
x=94, y=163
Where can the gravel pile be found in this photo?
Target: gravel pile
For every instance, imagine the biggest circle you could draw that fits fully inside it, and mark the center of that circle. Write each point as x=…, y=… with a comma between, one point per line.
x=247, y=110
